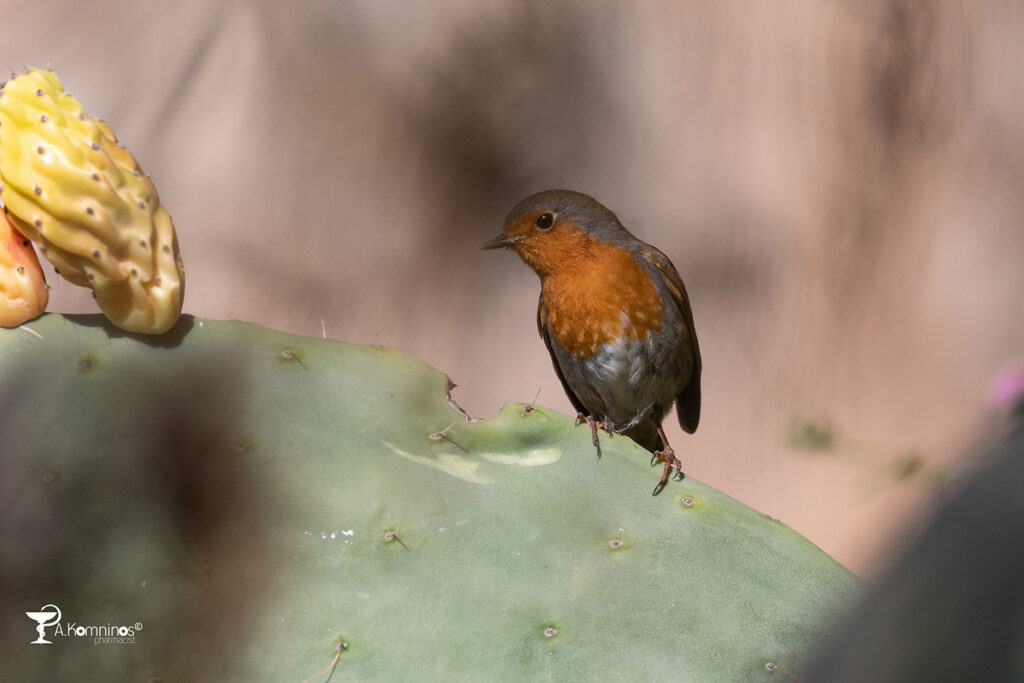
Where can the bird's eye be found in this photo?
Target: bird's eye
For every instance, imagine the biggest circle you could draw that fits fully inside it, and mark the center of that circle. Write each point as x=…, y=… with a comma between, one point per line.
x=545, y=221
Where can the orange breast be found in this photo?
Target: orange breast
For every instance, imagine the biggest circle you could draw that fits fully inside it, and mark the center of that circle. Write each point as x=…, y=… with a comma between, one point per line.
x=600, y=298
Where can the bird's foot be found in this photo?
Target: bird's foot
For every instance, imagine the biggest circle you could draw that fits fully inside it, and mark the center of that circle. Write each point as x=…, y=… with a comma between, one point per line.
x=667, y=456
x=594, y=425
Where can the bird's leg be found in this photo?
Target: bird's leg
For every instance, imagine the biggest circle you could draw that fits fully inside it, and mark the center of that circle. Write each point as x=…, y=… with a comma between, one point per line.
x=594, y=423
x=667, y=456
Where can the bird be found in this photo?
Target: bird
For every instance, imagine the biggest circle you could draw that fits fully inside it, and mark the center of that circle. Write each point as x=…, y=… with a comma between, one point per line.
x=615, y=317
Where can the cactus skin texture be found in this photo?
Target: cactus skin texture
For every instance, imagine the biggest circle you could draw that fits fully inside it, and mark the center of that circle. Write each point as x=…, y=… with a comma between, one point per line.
x=251, y=497
x=23, y=291
x=75, y=192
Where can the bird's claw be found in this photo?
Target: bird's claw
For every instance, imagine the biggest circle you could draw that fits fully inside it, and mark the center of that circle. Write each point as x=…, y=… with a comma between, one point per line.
x=594, y=424
x=668, y=457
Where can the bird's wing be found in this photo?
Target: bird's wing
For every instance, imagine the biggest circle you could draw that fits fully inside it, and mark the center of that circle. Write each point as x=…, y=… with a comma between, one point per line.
x=688, y=400
x=542, y=327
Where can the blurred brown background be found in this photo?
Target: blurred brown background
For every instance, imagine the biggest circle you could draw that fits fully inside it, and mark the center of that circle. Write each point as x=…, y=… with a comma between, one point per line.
x=839, y=183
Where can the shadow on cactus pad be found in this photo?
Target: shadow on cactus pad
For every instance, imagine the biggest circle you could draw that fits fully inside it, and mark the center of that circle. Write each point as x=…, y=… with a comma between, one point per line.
x=253, y=498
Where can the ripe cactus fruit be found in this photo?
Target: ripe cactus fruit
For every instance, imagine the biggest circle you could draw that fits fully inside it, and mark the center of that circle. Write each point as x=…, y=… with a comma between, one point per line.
x=23, y=292
x=74, y=191
x=253, y=499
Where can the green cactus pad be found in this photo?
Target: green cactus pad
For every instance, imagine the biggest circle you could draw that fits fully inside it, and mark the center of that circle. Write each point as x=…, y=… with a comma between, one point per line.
x=253, y=498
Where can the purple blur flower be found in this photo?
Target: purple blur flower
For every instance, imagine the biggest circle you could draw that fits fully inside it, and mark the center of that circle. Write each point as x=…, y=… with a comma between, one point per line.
x=1007, y=388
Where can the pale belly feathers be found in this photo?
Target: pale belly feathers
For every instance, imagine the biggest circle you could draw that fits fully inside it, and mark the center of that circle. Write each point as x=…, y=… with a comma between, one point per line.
x=629, y=380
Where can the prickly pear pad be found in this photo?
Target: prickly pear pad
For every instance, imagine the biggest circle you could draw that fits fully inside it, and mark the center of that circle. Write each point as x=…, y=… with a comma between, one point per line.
x=84, y=200
x=252, y=497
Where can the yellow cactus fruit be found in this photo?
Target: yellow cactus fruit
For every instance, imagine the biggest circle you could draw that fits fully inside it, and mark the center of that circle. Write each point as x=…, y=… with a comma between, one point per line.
x=74, y=191
x=23, y=292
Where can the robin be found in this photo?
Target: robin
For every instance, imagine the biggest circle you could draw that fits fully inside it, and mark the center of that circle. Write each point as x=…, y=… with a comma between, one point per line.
x=615, y=317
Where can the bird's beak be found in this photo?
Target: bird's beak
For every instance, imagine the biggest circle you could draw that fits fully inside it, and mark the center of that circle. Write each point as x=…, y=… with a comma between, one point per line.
x=501, y=242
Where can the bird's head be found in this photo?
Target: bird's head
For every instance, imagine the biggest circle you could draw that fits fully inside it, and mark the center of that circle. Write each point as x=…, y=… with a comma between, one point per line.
x=557, y=228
